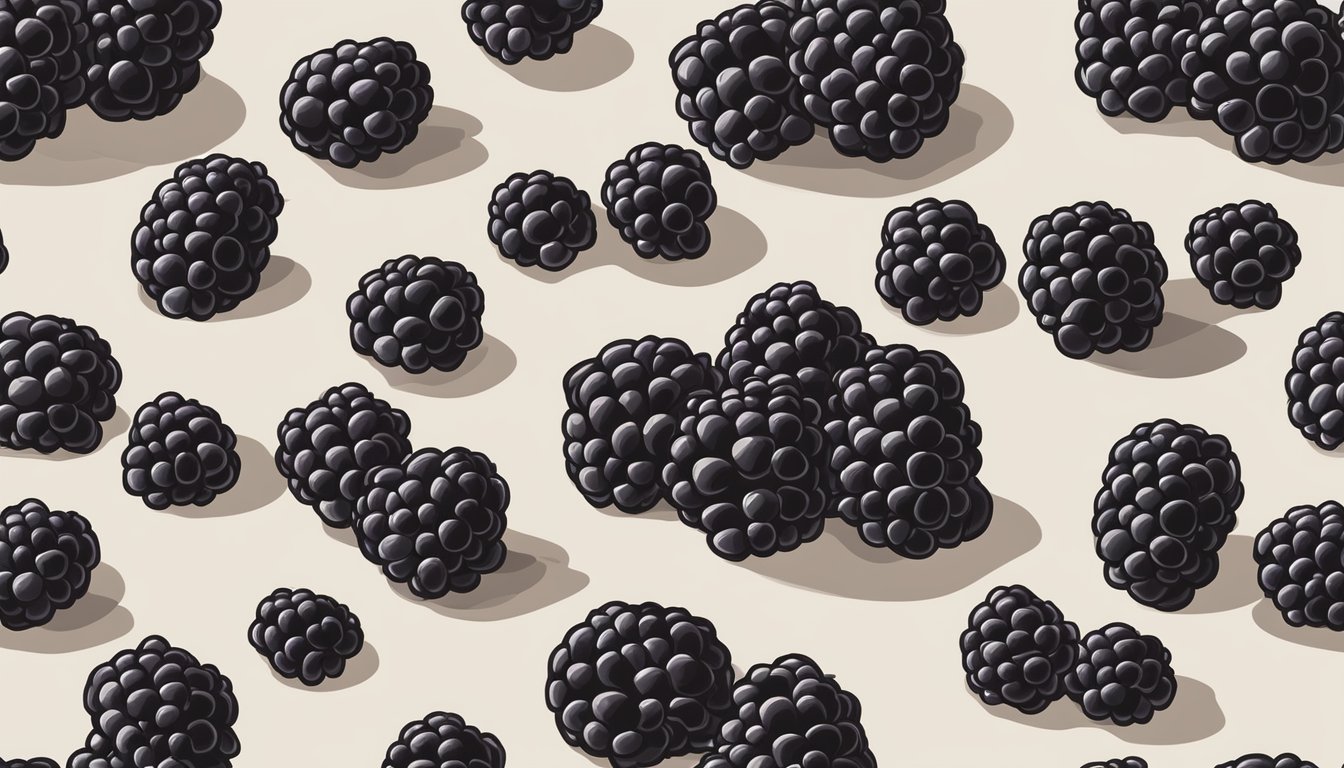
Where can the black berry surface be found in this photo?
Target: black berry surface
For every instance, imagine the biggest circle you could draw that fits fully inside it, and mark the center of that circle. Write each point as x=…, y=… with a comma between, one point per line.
x=1261, y=760
x=444, y=740
x=1243, y=253
x=1129, y=54
x=41, y=70
x=145, y=55
x=513, y=30
x=937, y=261
x=1120, y=762
x=660, y=197
x=181, y=453
x=1315, y=382
x=35, y=762
x=1122, y=676
x=304, y=635
x=1017, y=648
x=47, y=559
x=540, y=219
x=4, y=255
x=417, y=313
x=1301, y=565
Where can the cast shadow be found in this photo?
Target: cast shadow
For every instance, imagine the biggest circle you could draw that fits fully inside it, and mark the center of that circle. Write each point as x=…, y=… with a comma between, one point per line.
x=92, y=149
x=1268, y=618
x=94, y=619
x=1335, y=454
x=1191, y=299
x=1181, y=346
x=357, y=670
x=841, y=564
x=662, y=512
x=283, y=282
x=113, y=428
x=1236, y=585
x=258, y=485
x=598, y=57
x=343, y=535
x=1000, y=309
x=444, y=149
x=978, y=126
x=486, y=366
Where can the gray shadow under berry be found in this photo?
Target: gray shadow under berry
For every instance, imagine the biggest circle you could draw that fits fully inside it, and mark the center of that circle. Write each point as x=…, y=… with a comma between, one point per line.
x=1181, y=347
x=598, y=57
x=444, y=149
x=357, y=670
x=1235, y=586
x=283, y=283
x=1187, y=296
x=93, y=620
x=258, y=485
x=113, y=429
x=486, y=366
x=1270, y=620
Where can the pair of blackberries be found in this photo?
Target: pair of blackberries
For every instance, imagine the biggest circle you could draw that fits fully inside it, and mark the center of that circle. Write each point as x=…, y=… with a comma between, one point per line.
x=180, y=453
x=513, y=30
x=47, y=558
x=304, y=635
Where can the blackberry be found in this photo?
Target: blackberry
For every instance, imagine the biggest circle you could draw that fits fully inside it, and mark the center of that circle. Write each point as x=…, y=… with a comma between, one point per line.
x=1269, y=73
x=1301, y=565
x=1093, y=279
x=1017, y=650
x=790, y=713
x=36, y=762
x=145, y=55
x=1129, y=54
x=47, y=558
x=444, y=739
x=305, y=635
x=734, y=87
x=436, y=521
x=328, y=447
x=353, y=102
x=180, y=453
x=1315, y=395
x=905, y=453
x=204, y=238
x=1243, y=253
x=881, y=76
x=1120, y=762
x=41, y=67
x=512, y=30
x=1260, y=760
x=660, y=198
x=937, y=261
x=58, y=383
x=1122, y=676
x=636, y=684
x=540, y=219
x=417, y=313
x=624, y=405
x=157, y=705
x=4, y=255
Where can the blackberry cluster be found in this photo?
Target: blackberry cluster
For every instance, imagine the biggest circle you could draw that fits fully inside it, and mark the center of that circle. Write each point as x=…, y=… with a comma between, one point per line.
x=58, y=383
x=41, y=70
x=353, y=102
x=1129, y=54
x=623, y=409
x=1301, y=565
x=435, y=522
x=417, y=313
x=328, y=447
x=36, y=762
x=540, y=219
x=1243, y=253
x=47, y=558
x=305, y=636
x=937, y=261
x=1315, y=394
x=444, y=739
x=1120, y=762
x=660, y=198
x=145, y=55
x=1122, y=676
x=1260, y=760
x=1093, y=279
x=1168, y=501
x=512, y=30
x=180, y=453
x=1017, y=650
x=204, y=238
x=636, y=684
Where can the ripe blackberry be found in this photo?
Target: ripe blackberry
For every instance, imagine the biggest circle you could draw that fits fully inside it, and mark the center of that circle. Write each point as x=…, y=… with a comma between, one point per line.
x=444, y=739
x=660, y=198
x=624, y=405
x=540, y=219
x=1315, y=395
x=790, y=713
x=1243, y=253
x=417, y=313
x=1093, y=279
x=145, y=55
x=636, y=684
x=180, y=453
x=1129, y=54
x=305, y=636
x=36, y=762
x=1017, y=650
x=355, y=101
x=1122, y=676
x=41, y=67
x=4, y=255
x=1260, y=760
x=47, y=558
x=1271, y=74
x=511, y=30
x=436, y=521
x=58, y=383
x=328, y=447
x=1120, y=762
x=937, y=261
x=1301, y=559
x=204, y=238
x=880, y=76
x=734, y=87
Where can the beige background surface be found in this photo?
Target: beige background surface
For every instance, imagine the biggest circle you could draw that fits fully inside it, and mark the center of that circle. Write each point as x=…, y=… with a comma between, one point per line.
x=1023, y=141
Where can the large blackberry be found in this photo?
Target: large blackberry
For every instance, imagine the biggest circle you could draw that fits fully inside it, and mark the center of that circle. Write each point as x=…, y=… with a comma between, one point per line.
x=624, y=405
x=881, y=76
x=180, y=453
x=1093, y=279
x=1261, y=760
x=1301, y=565
x=417, y=313
x=58, y=383
x=353, y=102
x=1168, y=501
x=937, y=261
x=444, y=739
x=511, y=30
x=145, y=55
x=47, y=558
x=1315, y=394
x=1120, y=762
x=304, y=635
x=1122, y=676
x=636, y=684
x=1129, y=54
x=1017, y=650
x=328, y=447
x=42, y=70
x=790, y=713
x=540, y=219
x=204, y=238
x=660, y=198
x=1243, y=253
x=436, y=521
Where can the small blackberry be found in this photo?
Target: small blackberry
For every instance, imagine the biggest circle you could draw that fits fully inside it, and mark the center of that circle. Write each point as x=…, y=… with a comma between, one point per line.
x=417, y=313
x=1017, y=650
x=660, y=198
x=305, y=636
x=4, y=255
x=1243, y=253
x=1122, y=676
x=145, y=55
x=36, y=762
x=444, y=739
x=180, y=453
x=1129, y=54
x=47, y=558
x=353, y=102
x=1120, y=762
x=937, y=261
x=512, y=30
x=41, y=67
x=1260, y=760
x=204, y=238
x=1301, y=565
x=636, y=684
x=1315, y=395
x=540, y=219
